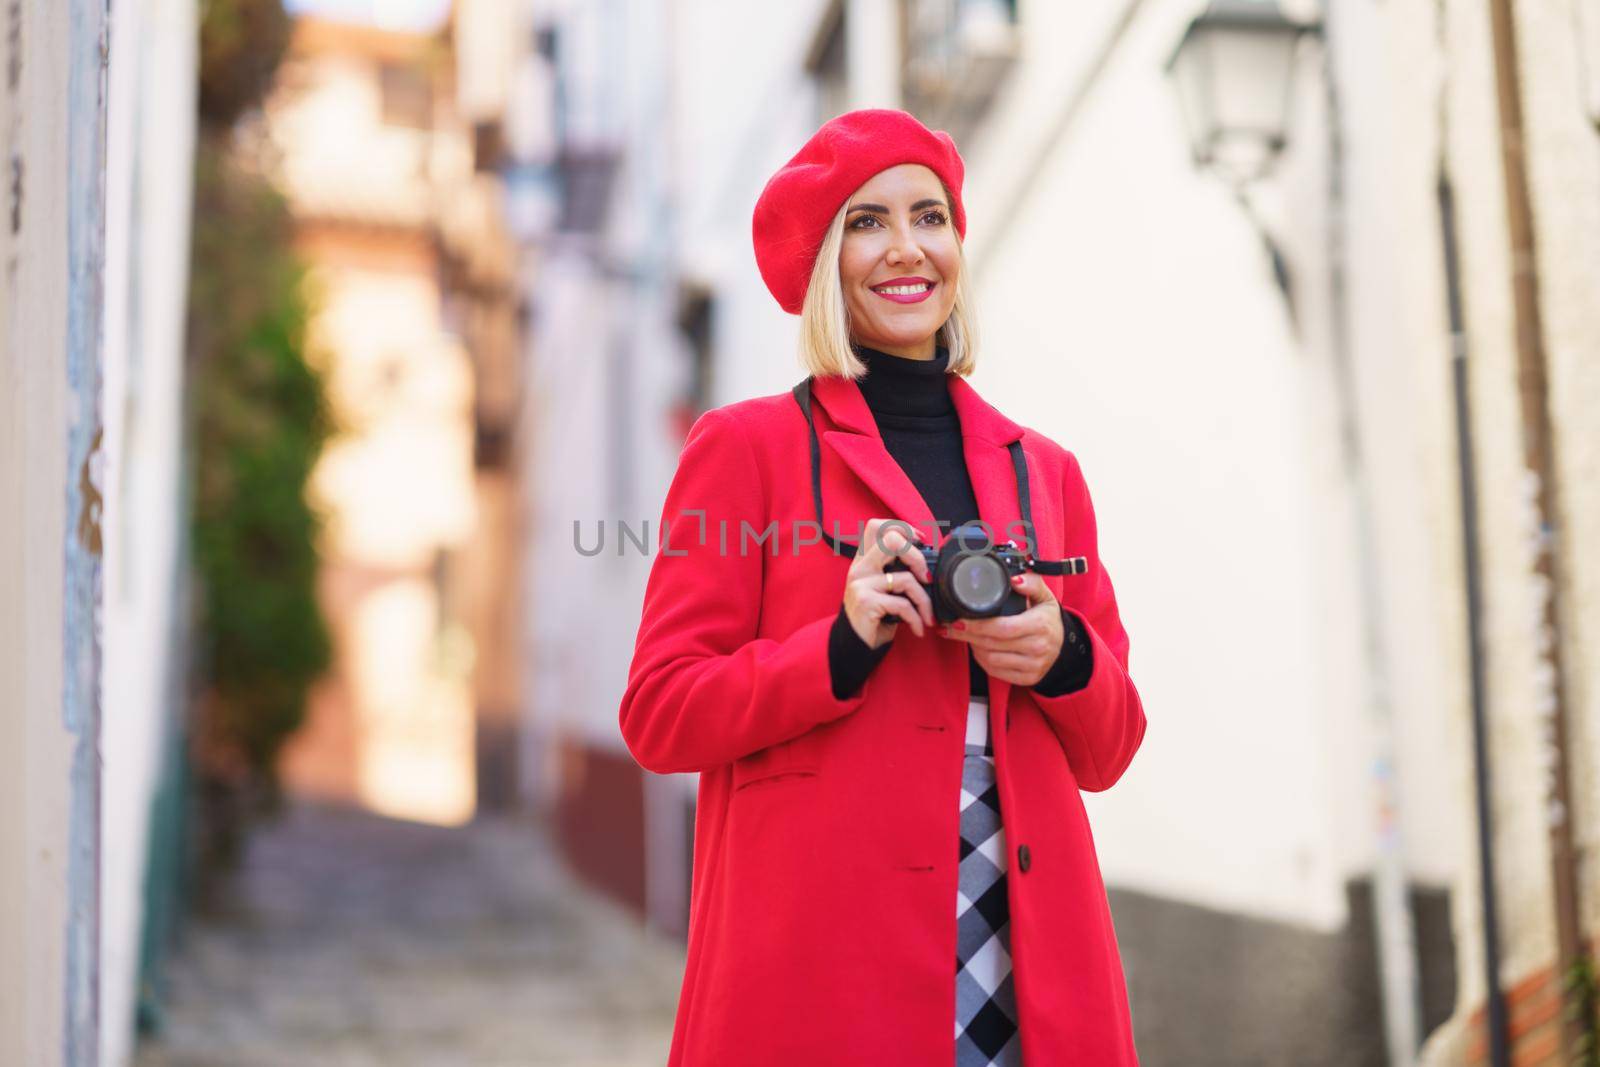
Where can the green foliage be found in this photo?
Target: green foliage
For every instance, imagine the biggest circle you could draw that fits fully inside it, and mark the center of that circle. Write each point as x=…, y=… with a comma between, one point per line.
x=260, y=420
x=1580, y=997
x=241, y=44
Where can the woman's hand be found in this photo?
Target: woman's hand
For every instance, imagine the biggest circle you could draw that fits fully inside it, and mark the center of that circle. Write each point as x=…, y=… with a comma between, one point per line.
x=1019, y=649
x=875, y=600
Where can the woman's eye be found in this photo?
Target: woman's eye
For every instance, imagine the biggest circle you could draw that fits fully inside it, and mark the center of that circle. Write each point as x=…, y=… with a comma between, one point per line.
x=937, y=217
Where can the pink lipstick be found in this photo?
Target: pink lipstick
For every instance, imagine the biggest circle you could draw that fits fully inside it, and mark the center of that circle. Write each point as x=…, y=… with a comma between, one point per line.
x=905, y=290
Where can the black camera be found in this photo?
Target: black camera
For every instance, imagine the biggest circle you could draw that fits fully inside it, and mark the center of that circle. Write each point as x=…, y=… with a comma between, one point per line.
x=971, y=575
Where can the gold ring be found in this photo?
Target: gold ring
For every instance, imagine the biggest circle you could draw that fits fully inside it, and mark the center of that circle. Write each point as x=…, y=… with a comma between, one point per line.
x=889, y=575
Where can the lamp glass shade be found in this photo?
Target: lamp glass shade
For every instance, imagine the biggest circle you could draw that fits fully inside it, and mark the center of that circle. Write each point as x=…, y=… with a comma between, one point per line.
x=1233, y=72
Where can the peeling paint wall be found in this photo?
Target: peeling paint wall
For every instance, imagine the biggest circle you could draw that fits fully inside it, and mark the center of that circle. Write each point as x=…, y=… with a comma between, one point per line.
x=51, y=145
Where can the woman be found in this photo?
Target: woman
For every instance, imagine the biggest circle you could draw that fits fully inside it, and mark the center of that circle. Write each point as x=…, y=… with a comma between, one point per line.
x=863, y=767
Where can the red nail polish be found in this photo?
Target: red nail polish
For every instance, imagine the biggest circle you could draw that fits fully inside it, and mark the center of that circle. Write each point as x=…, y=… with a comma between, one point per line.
x=1016, y=579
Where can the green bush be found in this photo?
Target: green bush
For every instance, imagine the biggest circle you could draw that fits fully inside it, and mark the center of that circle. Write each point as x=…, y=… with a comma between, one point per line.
x=258, y=420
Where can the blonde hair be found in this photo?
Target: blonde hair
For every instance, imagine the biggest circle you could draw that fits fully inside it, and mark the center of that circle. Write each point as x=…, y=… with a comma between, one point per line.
x=825, y=317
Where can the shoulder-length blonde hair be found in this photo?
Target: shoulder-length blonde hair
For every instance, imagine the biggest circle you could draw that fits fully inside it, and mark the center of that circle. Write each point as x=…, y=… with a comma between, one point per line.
x=825, y=318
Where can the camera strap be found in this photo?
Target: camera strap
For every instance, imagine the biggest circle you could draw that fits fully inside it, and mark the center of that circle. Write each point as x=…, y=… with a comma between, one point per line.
x=1019, y=462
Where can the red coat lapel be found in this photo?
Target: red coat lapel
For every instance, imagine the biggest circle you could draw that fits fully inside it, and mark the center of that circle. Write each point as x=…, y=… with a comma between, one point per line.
x=986, y=436
x=985, y=432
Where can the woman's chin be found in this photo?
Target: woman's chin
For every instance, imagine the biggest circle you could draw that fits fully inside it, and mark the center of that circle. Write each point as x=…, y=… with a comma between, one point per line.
x=904, y=334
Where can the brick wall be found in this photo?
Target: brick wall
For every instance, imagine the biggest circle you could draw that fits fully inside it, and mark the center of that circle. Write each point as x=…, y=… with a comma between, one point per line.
x=1534, y=1009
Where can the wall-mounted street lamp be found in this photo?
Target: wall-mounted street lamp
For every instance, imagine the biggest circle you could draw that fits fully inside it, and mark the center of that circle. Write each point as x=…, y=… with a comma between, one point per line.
x=1233, y=70
x=1234, y=73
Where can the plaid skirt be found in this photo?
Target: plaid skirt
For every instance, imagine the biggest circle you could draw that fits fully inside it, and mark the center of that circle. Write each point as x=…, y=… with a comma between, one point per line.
x=986, y=1003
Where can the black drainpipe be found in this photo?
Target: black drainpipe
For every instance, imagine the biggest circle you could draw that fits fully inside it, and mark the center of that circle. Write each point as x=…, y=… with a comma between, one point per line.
x=1499, y=1044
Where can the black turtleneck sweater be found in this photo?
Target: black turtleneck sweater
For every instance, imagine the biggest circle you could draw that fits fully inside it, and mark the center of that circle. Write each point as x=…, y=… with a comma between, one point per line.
x=910, y=402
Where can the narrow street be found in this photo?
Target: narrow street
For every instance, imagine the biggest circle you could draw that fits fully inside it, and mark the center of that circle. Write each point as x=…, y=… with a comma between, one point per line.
x=351, y=939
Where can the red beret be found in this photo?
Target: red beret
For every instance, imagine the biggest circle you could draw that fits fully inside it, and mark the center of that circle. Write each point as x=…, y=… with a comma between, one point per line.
x=794, y=210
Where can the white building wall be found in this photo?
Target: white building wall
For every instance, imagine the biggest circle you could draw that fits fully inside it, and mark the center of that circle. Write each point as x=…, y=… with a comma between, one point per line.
x=150, y=146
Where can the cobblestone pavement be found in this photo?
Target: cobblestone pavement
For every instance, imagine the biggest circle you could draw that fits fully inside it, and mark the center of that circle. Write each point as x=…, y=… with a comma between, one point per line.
x=356, y=940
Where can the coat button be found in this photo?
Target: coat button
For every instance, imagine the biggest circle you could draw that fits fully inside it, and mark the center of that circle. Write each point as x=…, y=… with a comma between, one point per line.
x=1024, y=858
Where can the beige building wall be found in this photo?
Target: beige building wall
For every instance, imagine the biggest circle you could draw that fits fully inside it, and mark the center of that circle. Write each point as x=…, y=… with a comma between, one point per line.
x=1563, y=146
x=35, y=746
x=52, y=138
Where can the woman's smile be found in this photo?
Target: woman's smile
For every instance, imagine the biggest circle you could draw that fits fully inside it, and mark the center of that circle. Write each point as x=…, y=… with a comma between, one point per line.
x=905, y=290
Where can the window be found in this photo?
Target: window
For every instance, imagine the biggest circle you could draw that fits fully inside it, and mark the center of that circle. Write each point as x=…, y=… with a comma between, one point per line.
x=407, y=96
x=958, y=52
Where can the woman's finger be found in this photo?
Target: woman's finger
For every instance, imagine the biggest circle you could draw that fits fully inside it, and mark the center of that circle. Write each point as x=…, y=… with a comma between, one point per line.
x=913, y=558
x=907, y=586
x=865, y=561
x=1007, y=661
x=1032, y=586
x=1035, y=647
x=876, y=547
x=1009, y=667
x=886, y=539
x=900, y=607
x=1012, y=639
x=897, y=583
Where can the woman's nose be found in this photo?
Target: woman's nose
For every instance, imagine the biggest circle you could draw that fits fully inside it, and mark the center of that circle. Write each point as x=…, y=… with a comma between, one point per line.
x=905, y=250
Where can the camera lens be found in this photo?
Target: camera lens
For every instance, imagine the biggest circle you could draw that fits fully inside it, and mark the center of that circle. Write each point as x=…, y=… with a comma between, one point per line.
x=978, y=583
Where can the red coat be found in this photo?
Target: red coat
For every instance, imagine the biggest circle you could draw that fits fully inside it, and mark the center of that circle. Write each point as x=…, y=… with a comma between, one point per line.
x=822, y=926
